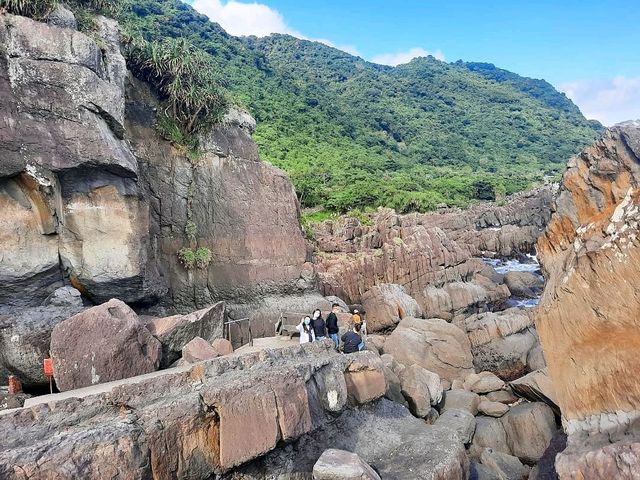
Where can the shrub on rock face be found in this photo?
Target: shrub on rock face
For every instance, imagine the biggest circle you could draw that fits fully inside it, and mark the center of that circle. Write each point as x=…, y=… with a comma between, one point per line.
x=29, y=8
x=104, y=343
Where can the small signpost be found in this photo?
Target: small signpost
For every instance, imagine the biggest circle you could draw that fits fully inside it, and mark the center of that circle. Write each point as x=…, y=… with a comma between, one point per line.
x=48, y=371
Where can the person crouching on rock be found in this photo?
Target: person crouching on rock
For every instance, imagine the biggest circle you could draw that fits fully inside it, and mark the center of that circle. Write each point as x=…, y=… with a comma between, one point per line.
x=306, y=331
x=332, y=325
x=319, y=327
x=352, y=340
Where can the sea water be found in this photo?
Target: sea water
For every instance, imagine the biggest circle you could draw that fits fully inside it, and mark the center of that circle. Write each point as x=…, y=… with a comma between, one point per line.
x=527, y=264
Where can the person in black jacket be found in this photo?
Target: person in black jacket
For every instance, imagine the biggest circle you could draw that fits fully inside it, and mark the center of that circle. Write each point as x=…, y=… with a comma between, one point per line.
x=352, y=340
x=332, y=325
x=319, y=327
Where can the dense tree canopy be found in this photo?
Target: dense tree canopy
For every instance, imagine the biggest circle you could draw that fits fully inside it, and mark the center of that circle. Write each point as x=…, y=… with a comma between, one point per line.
x=352, y=134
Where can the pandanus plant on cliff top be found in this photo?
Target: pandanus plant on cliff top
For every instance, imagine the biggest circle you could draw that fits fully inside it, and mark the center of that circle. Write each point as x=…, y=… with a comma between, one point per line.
x=29, y=8
x=184, y=75
x=39, y=9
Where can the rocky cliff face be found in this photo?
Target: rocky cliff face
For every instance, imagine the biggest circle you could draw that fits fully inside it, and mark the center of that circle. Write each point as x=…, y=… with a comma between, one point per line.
x=91, y=195
x=588, y=316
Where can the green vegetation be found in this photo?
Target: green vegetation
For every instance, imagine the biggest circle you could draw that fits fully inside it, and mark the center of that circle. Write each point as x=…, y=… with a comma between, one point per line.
x=29, y=8
x=186, y=78
x=351, y=134
x=195, y=258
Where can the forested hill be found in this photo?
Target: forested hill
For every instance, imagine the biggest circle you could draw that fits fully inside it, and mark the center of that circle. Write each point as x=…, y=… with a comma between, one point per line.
x=353, y=134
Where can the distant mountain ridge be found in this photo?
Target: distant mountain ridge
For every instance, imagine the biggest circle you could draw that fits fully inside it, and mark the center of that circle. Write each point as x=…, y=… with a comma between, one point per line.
x=354, y=134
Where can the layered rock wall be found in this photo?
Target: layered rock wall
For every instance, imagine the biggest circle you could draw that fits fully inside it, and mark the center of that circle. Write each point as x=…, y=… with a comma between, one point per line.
x=419, y=251
x=588, y=316
x=202, y=420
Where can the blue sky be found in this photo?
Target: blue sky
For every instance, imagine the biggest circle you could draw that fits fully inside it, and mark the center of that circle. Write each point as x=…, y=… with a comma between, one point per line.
x=589, y=49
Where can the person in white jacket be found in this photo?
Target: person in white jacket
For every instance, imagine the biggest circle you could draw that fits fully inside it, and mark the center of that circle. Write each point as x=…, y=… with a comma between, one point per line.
x=306, y=331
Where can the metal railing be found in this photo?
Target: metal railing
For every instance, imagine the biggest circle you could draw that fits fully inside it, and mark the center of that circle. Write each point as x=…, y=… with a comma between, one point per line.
x=227, y=329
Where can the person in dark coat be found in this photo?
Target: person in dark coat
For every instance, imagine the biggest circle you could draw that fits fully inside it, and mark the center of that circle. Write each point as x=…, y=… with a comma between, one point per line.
x=319, y=326
x=332, y=325
x=352, y=341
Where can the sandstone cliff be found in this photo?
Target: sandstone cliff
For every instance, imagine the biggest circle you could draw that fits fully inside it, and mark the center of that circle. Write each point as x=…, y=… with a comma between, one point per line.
x=91, y=195
x=588, y=317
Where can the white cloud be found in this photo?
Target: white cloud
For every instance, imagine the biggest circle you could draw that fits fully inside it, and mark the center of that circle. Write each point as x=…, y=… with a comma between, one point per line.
x=610, y=100
x=351, y=49
x=258, y=19
x=239, y=18
x=399, y=58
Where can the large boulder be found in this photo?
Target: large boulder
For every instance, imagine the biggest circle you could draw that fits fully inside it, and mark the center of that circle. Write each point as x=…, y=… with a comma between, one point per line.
x=394, y=387
x=492, y=409
x=536, y=387
x=483, y=382
x=461, y=400
x=504, y=466
x=434, y=344
x=529, y=428
x=489, y=433
x=104, y=343
x=461, y=298
x=197, y=350
x=524, y=284
x=25, y=340
x=501, y=342
x=336, y=464
x=383, y=434
x=414, y=380
x=176, y=331
x=588, y=314
x=385, y=305
x=365, y=379
x=461, y=423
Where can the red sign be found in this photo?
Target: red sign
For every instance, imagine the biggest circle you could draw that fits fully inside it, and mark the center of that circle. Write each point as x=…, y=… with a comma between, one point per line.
x=48, y=367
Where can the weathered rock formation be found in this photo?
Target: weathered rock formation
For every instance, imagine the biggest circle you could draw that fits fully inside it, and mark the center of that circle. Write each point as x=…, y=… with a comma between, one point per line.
x=342, y=465
x=196, y=421
x=176, y=331
x=434, y=344
x=386, y=305
x=104, y=343
x=427, y=250
x=502, y=342
x=588, y=317
x=91, y=195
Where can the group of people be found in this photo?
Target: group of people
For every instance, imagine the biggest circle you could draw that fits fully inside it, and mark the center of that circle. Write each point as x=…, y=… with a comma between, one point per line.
x=315, y=328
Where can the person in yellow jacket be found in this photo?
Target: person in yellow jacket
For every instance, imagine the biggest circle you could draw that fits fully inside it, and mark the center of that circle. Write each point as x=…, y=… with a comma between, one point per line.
x=356, y=318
